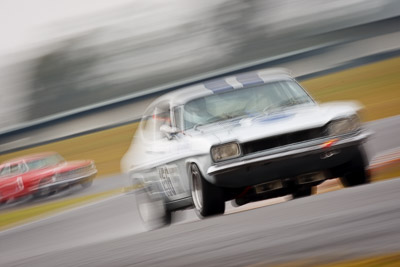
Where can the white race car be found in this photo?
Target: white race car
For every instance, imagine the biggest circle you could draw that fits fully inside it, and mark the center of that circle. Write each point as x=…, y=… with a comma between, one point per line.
x=244, y=138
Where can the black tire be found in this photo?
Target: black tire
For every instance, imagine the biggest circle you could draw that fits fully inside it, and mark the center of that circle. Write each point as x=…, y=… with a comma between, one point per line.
x=356, y=173
x=153, y=214
x=302, y=192
x=44, y=192
x=208, y=199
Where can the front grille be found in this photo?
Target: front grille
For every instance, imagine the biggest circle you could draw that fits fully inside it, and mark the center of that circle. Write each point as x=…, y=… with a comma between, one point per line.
x=282, y=140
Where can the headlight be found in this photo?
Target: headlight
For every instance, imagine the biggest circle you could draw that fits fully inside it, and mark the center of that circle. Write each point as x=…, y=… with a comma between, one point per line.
x=226, y=151
x=345, y=125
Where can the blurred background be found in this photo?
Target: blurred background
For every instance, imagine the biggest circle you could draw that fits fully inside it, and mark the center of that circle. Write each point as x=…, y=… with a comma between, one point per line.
x=62, y=56
x=76, y=76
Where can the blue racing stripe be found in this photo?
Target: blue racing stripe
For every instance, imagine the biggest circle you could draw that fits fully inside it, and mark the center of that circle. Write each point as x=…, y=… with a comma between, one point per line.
x=218, y=86
x=250, y=78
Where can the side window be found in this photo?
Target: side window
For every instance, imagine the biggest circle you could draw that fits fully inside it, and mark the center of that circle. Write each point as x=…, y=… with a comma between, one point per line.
x=23, y=168
x=14, y=169
x=5, y=170
x=162, y=116
x=151, y=123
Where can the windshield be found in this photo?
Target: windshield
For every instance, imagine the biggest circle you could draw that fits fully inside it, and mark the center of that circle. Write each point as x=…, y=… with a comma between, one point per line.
x=264, y=98
x=44, y=162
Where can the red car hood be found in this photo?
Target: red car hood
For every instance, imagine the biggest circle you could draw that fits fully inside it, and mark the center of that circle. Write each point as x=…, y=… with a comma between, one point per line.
x=60, y=168
x=72, y=165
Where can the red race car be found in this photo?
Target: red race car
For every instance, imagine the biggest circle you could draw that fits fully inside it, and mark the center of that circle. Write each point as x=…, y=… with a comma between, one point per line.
x=42, y=174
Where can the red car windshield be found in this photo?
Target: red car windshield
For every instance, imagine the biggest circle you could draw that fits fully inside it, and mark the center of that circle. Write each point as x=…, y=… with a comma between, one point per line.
x=44, y=162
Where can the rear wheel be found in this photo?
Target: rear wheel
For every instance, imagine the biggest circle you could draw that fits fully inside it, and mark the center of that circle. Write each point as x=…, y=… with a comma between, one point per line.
x=3, y=201
x=356, y=173
x=44, y=191
x=207, y=198
x=153, y=213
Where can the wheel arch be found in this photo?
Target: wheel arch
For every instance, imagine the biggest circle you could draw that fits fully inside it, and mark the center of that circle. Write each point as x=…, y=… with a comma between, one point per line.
x=199, y=164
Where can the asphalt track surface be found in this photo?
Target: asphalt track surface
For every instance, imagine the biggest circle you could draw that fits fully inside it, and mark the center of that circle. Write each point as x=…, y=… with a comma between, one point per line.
x=343, y=224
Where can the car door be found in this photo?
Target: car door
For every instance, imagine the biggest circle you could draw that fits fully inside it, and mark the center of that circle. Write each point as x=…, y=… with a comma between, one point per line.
x=171, y=165
x=11, y=182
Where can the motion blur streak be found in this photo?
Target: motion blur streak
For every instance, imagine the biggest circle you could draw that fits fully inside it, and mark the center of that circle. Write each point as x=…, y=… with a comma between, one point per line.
x=89, y=52
x=75, y=76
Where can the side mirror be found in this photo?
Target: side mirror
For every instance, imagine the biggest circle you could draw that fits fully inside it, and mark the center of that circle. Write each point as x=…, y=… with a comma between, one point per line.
x=168, y=131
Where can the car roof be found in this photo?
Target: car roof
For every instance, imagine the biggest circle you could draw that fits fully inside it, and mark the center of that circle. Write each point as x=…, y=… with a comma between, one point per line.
x=29, y=157
x=223, y=84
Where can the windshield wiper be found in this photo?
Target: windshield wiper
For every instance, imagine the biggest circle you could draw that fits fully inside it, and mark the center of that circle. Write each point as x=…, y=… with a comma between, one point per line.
x=198, y=124
x=209, y=121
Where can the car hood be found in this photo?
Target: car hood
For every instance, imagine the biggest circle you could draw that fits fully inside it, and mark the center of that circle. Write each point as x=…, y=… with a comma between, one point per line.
x=72, y=165
x=293, y=119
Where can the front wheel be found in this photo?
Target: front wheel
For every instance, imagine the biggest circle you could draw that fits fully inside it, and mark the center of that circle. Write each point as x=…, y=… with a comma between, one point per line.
x=207, y=198
x=356, y=173
x=153, y=213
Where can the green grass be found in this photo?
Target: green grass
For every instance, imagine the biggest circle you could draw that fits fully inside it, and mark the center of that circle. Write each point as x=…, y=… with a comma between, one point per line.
x=376, y=86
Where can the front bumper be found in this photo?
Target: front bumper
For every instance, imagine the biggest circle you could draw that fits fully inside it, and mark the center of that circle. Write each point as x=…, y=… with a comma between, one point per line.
x=286, y=161
x=70, y=181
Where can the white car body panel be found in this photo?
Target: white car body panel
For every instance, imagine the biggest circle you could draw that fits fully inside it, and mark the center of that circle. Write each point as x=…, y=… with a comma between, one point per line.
x=164, y=163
